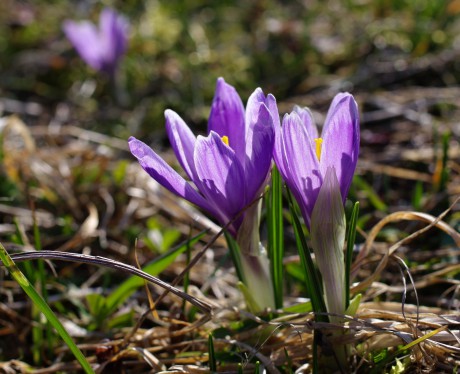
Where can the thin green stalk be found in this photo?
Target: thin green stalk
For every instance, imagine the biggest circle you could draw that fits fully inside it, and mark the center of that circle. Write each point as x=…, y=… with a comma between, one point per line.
x=41, y=304
x=313, y=283
x=28, y=268
x=444, y=173
x=276, y=235
x=41, y=281
x=34, y=276
x=188, y=257
x=236, y=257
x=351, y=237
x=212, y=355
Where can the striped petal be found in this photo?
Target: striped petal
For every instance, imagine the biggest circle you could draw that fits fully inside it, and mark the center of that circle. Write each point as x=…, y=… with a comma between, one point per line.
x=182, y=140
x=259, y=150
x=301, y=164
x=340, y=135
x=164, y=174
x=221, y=176
x=227, y=117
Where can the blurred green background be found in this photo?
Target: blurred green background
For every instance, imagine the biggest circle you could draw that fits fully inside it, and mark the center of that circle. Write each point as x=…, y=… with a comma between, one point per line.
x=178, y=48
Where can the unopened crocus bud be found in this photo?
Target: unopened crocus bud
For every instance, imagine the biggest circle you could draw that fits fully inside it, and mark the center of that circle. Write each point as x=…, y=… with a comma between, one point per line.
x=328, y=228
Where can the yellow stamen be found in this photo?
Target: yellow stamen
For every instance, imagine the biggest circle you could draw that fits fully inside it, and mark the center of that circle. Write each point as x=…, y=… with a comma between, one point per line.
x=225, y=139
x=319, y=142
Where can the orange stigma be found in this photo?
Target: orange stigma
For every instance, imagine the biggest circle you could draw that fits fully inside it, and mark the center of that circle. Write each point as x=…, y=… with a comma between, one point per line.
x=225, y=139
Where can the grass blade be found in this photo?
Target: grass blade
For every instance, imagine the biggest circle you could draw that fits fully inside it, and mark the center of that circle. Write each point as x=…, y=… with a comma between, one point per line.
x=441, y=173
x=38, y=334
x=235, y=255
x=41, y=304
x=351, y=237
x=212, y=356
x=276, y=235
x=313, y=283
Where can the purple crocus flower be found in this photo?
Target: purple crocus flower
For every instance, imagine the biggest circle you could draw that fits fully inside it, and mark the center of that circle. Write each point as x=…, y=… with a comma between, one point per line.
x=101, y=48
x=303, y=158
x=230, y=166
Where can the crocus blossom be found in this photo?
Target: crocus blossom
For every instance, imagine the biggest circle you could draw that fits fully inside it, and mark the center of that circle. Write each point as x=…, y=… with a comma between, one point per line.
x=230, y=166
x=100, y=47
x=303, y=158
x=229, y=169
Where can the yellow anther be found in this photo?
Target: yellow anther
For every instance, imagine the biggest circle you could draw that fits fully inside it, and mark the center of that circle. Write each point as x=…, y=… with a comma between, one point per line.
x=319, y=142
x=225, y=139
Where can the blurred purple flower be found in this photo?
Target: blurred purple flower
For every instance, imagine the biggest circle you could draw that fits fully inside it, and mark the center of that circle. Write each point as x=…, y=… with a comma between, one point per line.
x=230, y=166
x=100, y=47
x=303, y=158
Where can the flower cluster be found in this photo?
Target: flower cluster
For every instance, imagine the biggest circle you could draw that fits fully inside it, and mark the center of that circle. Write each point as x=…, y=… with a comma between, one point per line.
x=230, y=168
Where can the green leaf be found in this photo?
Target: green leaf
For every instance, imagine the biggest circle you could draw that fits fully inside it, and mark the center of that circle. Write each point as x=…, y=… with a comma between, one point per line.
x=354, y=305
x=212, y=357
x=417, y=195
x=251, y=304
x=289, y=362
x=97, y=305
x=235, y=254
x=274, y=203
x=296, y=270
x=119, y=172
x=299, y=308
x=351, y=237
x=121, y=320
x=41, y=304
x=444, y=172
x=169, y=238
x=313, y=283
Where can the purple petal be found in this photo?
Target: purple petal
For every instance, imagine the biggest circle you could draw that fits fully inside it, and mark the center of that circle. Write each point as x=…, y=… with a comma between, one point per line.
x=270, y=102
x=85, y=38
x=182, y=140
x=113, y=29
x=252, y=107
x=164, y=174
x=300, y=164
x=221, y=176
x=227, y=117
x=307, y=120
x=340, y=135
x=259, y=149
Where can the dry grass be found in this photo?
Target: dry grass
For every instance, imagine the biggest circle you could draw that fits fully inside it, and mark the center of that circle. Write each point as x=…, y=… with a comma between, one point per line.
x=65, y=171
